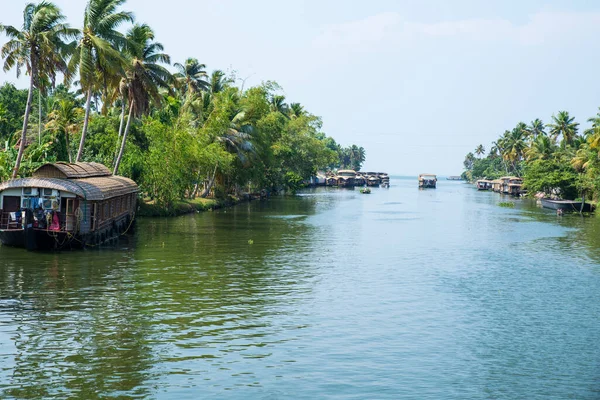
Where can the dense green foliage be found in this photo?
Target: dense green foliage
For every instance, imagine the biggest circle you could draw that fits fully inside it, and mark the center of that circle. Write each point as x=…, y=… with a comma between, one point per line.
x=553, y=159
x=180, y=135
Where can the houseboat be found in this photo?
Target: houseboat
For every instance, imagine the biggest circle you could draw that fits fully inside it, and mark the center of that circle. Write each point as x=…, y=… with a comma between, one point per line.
x=346, y=178
x=360, y=180
x=511, y=185
x=497, y=185
x=373, y=181
x=427, y=181
x=66, y=205
x=483, y=184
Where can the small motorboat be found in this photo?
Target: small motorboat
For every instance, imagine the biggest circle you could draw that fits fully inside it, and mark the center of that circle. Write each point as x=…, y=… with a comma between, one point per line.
x=365, y=190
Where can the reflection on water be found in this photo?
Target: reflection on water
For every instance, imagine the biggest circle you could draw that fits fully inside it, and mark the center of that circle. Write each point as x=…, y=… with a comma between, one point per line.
x=402, y=293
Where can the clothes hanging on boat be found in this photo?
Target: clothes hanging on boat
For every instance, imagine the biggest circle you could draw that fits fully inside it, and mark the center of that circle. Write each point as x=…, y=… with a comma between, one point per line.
x=55, y=226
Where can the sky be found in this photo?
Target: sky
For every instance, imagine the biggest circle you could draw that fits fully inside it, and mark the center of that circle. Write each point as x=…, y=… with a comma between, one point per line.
x=418, y=84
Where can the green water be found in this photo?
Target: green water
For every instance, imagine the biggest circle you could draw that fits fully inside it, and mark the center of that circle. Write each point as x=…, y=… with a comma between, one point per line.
x=436, y=294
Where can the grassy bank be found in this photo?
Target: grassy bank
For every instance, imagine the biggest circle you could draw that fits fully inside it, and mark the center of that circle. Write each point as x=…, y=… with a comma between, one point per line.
x=181, y=207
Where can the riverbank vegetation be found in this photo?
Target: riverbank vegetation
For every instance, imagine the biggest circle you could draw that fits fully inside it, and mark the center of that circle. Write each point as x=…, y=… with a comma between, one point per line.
x=557, y=158
x=107, y=93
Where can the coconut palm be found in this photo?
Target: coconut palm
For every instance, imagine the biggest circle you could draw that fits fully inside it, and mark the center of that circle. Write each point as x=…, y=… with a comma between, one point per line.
x=64, y=119
x=96, y=57
x=480, y=150
x=278, y=105
x=218, y=81
x=541, y=148
x=513, y=144
x=296, y=110
x=145, y=76
x=535, y=129
x=595, y=120
x=563, y=125
x=40, y=47
x=191, y=77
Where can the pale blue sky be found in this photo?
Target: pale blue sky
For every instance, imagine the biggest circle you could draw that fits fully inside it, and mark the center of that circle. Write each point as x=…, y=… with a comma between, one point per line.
x=417, y=83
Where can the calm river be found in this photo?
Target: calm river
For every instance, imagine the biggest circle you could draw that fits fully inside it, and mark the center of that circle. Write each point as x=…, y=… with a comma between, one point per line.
x=437, y=294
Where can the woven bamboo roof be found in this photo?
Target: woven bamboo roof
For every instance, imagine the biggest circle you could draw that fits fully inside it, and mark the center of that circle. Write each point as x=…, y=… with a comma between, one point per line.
x=71, y=171
x=93, y=189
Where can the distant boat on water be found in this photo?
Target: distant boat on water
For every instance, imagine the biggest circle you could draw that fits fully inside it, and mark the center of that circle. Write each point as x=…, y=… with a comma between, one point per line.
x=427, y=181
x=454, y=178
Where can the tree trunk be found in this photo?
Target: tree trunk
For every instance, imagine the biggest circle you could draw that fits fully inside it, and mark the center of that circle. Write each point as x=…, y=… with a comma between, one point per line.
x=122, y=116
x=85, y=125
x=24, y=132
x=40, y=116
x=68, y=146
x=211, y=182
x=124, y=141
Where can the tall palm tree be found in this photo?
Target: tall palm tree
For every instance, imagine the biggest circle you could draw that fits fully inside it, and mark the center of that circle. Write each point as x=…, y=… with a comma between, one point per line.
x=96, y=57
x=64, y=119
x=535, y=129
x=278, y=105
x=296, y=110
x=480, y=150
x=40, y=48
x=144, y=76
x=218, y=81
x=191, y=77
x=563, y=125
x=513, y=144
x=541, y=148
x=595, y=120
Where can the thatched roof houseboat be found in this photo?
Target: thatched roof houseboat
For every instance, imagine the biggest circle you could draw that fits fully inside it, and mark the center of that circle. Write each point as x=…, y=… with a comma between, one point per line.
x=346, y=177
x=483, y=184
x=427, y=181
x=66, y=205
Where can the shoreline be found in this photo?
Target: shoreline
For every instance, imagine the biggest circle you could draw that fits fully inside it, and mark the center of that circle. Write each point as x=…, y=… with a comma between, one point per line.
x=185, y=207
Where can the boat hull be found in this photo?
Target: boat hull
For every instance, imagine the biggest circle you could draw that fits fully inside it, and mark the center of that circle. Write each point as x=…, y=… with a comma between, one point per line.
x=13, y=237
x=566, y=205
x=46, y=240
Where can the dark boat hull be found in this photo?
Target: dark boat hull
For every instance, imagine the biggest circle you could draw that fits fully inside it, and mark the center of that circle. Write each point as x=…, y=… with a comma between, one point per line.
x=566, y=205
x=13, y=237
x=42, y=239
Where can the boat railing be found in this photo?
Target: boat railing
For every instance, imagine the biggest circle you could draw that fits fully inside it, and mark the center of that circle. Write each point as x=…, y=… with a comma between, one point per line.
x=13, y=220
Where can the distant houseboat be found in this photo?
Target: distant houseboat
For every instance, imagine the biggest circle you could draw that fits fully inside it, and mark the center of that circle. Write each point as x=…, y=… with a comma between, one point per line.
x=346, y=178
x=427, y=181
x=454, y=178
x=484, y=184
x=373, y=181
x=511, y=185
x=66, y=205
x=331, y=181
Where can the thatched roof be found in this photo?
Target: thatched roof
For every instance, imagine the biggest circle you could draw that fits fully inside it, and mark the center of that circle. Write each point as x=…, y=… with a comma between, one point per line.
x=93, y=189
x=64, y=170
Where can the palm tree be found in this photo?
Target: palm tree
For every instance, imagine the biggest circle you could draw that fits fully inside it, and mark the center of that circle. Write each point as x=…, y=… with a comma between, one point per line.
x=541, y=148
x=96, y=57
x=513, y=144
x=563, y=125
x=535, y=129
x=64, y=119
x=40, y=48
x=278, y=105
x=296, y=110
x=595, y=120
x=191, y=77
x=144, y=76
x=218, y=81
x=480, y=150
